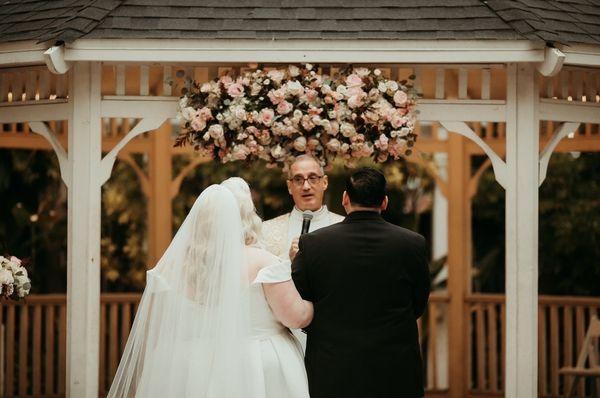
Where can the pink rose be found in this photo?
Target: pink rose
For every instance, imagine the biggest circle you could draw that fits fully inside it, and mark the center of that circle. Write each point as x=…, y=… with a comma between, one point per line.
x=400, y=98
x=347, y=130
x=354, y=80
x=252, y=130
x=307, y=123
x=300, y=144
x=266, y=116
x=240, y=152
x=205, y=113
x=382, y=142
x=276, y=75
x=396, y=119
x=216, y=131
x=355, y=91
x=235, y=90
x=355, y=101
x=226, y=81
x=198, y=124
x=276, y=96
x=284, y=108
x=362, y=72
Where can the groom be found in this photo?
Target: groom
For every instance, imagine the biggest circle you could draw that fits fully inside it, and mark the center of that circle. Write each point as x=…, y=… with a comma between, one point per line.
x=369, y=282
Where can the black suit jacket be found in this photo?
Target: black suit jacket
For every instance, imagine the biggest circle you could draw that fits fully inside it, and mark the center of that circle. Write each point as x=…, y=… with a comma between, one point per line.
x=369, y=282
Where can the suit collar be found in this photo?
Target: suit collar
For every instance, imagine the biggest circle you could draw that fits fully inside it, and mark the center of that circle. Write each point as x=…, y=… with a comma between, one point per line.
x=363, y=216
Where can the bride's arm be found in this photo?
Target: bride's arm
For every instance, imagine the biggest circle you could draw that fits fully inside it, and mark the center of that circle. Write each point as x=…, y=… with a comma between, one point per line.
x=287, y=305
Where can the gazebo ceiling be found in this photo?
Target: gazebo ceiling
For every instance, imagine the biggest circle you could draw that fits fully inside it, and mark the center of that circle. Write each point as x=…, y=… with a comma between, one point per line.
x=553, y=21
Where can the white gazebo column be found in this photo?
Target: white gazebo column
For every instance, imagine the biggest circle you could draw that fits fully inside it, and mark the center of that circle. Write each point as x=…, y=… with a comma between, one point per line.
x=522, y=159
x=83, y=248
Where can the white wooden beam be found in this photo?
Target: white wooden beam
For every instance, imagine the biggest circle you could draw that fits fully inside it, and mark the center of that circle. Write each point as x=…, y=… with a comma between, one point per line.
x=57, y=110
x=21, y=53
x=462, y=110
x=522, y=157
x=353, y=51
x=83, y=247
x=569, y=111
x=139, y=107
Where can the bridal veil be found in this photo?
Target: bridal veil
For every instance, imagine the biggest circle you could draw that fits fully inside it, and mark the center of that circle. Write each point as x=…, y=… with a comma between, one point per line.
x=190, y=337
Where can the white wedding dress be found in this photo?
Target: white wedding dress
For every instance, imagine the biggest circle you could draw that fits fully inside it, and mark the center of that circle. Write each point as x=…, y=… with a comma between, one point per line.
x=202, y=329
x=280, y=354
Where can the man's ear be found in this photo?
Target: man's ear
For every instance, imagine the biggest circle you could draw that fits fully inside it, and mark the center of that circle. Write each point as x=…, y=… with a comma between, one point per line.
x=325, y=182
x=345, y=199
x=289, y=186
x=384, y=204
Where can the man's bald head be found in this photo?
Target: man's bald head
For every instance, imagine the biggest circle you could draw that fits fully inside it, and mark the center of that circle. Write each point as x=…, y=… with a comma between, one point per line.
x=305, y=158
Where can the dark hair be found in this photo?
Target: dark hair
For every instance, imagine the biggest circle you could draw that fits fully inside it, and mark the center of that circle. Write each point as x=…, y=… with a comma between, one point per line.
x=366, y=187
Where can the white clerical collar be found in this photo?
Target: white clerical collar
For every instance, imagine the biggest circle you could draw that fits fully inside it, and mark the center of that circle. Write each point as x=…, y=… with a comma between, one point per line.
x=297, y=213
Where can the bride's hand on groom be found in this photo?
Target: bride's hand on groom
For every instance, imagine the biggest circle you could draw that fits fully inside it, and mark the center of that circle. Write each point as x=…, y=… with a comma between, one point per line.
x=294, y=248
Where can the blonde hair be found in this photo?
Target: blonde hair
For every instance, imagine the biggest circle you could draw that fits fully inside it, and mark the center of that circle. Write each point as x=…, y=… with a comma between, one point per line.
x=251, y=222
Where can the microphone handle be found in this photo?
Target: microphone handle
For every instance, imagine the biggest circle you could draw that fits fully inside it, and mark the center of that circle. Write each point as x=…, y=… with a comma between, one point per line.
x=305, y=226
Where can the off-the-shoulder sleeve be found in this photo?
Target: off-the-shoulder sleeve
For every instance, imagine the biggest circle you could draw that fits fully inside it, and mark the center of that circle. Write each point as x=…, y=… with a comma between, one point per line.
x=155, y=282
x=279, y=271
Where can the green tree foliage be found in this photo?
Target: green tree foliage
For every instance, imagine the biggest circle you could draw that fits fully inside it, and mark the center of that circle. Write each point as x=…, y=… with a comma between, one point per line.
x=569, y=223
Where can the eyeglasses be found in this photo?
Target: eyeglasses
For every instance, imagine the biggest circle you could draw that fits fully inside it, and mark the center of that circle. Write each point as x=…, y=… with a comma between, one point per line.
x=312, y=179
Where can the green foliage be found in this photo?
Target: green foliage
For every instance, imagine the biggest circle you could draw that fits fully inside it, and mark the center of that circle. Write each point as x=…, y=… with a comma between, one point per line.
x=33, y=209
x=569, y=223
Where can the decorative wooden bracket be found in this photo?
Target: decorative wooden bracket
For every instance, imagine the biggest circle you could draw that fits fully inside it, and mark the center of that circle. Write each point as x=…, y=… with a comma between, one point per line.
x=146, y=124
x=561, y=132
x=498, y=164
x=45, y=131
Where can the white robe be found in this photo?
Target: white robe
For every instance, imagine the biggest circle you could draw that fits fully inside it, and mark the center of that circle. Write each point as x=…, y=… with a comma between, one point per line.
x=279, y=232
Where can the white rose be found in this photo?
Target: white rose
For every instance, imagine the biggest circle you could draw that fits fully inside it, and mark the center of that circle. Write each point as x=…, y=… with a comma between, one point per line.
x=294, y=70
x=341, y=89
x=347, y=130
x=183, y=102
x=309, y=66
x=300, y=144
x=392, y=85
x=382, y=87
x=294, y=88
x=377, y=72
x=188, y=113
x=6, y=277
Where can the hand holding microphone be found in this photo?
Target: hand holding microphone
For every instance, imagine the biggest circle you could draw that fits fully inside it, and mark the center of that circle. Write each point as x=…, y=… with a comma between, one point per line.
x=306, y=218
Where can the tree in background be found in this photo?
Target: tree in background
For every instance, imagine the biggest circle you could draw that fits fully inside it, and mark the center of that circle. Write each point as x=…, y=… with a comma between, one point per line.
x=569, y=225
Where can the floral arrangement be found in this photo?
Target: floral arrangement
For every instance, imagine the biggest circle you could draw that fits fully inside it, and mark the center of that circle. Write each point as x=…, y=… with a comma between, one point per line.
x=278, y=114
x=14, y=282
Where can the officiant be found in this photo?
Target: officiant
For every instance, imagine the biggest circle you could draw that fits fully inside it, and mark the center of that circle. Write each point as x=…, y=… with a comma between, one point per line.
x=306, y=184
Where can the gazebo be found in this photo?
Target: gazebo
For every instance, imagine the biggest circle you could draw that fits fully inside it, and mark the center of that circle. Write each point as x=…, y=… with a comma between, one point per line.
x=508, y=79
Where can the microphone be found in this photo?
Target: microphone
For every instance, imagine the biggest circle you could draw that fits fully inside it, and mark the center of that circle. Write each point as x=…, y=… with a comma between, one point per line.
x=306, y=217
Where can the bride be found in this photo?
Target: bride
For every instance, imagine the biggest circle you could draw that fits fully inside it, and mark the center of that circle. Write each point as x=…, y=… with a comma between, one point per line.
x=213, y=320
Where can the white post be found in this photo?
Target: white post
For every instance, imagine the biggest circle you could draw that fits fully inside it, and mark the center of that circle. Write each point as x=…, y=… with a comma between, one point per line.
x=83, y=248
x=522, y=156
x=440, y=211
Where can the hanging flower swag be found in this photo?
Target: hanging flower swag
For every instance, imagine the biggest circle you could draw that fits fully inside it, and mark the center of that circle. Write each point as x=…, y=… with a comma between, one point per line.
x=278, y=114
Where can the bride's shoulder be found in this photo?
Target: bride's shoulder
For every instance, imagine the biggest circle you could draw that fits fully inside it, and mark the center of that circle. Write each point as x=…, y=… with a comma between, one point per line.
x=260, y=257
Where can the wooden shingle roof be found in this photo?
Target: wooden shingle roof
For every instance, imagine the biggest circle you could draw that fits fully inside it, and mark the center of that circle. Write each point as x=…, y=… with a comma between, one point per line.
x=556, y=21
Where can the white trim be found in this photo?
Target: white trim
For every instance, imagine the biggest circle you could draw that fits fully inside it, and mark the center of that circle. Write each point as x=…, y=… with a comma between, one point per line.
x=21, y=53
x=581, y=54
x=137, y=107
x=560, y=133
x=34, y=113
x=346, y=51
x=569, y=111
